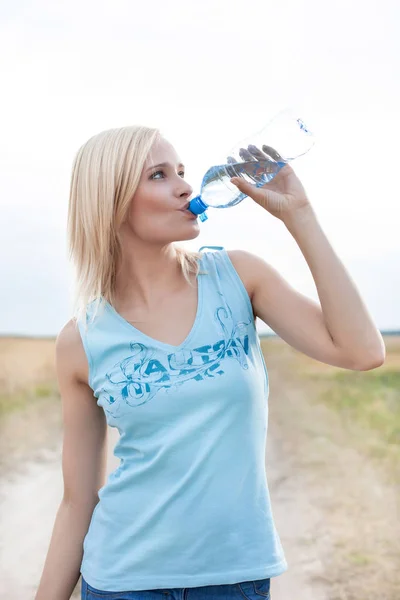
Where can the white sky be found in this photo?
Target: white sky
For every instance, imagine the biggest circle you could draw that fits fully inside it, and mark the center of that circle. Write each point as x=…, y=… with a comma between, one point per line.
x=208, y=74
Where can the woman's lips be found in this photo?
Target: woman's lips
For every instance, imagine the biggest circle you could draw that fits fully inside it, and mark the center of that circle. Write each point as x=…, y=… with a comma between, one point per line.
x=189, y=213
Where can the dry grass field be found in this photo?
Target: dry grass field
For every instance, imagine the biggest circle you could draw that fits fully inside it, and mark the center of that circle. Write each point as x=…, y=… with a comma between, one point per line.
x=27, y=370
x=332, y=462
x=28, y=393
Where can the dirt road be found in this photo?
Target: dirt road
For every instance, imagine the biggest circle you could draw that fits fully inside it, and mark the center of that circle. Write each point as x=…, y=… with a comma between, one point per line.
x=334, y=513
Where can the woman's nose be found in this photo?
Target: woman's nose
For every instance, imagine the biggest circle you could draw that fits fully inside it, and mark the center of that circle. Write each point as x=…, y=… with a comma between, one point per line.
x=186, y=190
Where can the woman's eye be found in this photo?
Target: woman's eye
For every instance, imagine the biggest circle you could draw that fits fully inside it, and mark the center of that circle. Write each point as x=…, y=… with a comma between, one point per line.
x=153, y=176
x=156, y=173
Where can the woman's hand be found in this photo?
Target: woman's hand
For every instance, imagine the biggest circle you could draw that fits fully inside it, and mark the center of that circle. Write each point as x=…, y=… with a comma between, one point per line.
x=283, y=196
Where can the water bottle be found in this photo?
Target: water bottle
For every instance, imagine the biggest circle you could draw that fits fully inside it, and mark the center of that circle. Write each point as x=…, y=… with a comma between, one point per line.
x=287, y=136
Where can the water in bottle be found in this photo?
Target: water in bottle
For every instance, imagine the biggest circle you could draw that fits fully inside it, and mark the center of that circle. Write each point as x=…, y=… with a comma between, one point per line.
x=287, y=136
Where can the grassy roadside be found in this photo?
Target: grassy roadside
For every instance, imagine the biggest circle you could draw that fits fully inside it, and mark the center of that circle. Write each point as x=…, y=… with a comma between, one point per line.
x=23, y=398
x=368, y=403
x=371, y=398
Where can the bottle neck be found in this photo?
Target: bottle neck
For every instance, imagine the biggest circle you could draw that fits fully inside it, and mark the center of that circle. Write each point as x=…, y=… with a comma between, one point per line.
x=197, y=206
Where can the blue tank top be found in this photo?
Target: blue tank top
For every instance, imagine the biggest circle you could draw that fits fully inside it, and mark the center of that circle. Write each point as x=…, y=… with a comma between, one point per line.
x=188, y=504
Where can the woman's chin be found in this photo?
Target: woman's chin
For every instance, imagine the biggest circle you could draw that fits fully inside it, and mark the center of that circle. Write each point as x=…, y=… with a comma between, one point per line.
x=186, y=227
x=189, y=233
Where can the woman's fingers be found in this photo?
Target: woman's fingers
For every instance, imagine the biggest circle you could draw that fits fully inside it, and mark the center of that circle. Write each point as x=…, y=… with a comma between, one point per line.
x=246, y=155
x=272, y=153
x=257, y=152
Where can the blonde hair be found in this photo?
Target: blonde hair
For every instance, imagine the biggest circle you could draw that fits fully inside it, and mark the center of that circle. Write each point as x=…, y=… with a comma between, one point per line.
x=105, y=175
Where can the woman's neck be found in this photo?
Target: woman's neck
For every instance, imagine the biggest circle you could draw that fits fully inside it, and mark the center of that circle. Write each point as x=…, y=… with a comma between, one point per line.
x=145, y=274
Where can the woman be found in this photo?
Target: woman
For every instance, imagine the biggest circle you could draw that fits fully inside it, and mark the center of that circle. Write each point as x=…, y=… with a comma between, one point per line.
x=163, y=346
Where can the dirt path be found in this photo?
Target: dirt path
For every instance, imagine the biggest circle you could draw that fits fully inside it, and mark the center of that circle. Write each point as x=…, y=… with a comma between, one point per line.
x=336, y=517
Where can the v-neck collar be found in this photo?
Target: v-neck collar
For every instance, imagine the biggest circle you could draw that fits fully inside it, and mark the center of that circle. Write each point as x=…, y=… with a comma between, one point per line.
x=154, y=342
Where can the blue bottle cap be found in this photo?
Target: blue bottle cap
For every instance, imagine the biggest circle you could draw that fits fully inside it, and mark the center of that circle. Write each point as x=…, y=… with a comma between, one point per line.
x=197, y=206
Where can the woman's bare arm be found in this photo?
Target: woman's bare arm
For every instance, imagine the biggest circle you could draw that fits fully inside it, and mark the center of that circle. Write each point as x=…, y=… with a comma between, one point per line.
x=84, y=460
x=323, y=332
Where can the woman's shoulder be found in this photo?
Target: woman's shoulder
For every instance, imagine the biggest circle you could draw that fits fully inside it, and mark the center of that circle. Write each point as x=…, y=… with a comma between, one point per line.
x=70, y=353
x=69, y=336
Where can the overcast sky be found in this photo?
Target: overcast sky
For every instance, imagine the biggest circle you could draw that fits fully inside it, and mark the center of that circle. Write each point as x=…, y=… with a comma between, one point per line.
x=208, y=74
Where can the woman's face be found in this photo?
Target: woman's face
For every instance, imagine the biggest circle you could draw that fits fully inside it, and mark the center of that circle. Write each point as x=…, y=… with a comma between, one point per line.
x=159, y=209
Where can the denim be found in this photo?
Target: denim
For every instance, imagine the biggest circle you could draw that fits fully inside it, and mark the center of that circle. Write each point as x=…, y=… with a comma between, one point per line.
x=246, y=590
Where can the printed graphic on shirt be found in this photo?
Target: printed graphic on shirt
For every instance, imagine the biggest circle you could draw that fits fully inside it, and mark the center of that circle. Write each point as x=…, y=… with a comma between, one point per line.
x=138, y=378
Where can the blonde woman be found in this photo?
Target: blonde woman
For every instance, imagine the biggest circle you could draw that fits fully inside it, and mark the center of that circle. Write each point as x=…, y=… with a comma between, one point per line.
x=163, y=346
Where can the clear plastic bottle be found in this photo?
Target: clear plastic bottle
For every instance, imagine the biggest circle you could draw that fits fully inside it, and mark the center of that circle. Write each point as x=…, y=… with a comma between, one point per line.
x=287, y=137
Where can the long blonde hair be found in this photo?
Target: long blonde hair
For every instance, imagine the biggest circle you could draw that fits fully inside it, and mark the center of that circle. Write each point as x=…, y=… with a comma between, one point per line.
x=105, y=175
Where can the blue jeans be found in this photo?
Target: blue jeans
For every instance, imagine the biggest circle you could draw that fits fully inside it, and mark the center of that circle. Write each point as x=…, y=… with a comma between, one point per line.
x=246, y=590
